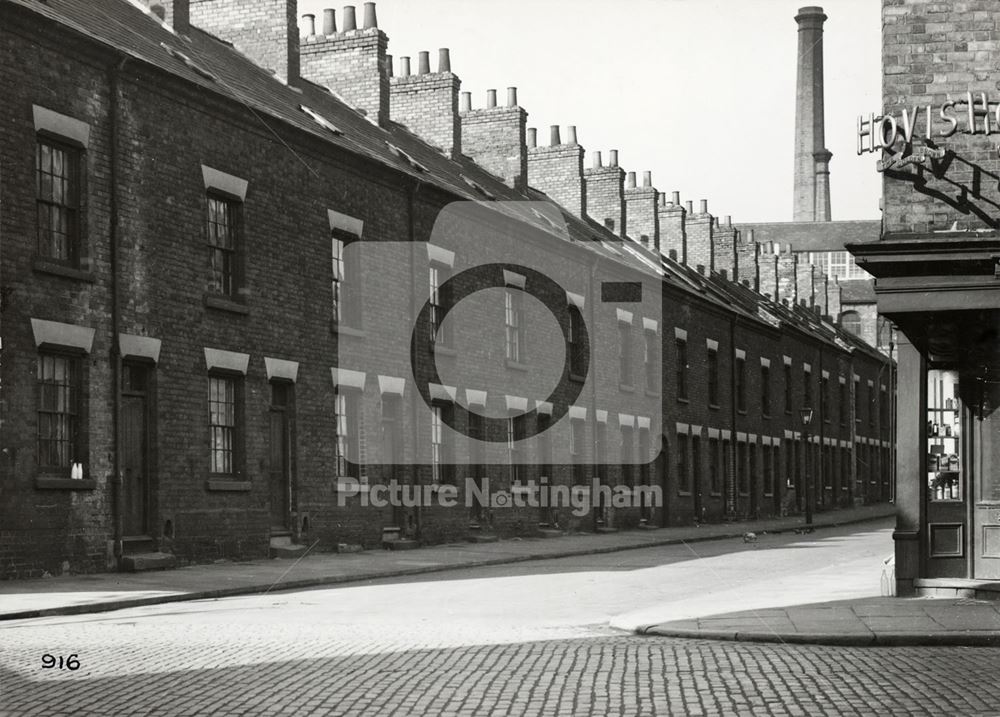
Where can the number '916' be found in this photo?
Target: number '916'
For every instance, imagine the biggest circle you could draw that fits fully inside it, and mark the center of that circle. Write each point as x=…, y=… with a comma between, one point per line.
x=63, y=663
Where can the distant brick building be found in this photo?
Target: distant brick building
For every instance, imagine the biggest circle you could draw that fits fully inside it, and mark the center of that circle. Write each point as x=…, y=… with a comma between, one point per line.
x=181, y=344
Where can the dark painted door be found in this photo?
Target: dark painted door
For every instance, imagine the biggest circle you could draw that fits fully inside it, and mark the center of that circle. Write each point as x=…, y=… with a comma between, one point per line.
x=135, y=450
x=280, y=465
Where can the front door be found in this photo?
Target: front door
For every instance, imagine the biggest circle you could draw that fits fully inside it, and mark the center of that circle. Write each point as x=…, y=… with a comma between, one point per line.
x=280, y=456
x=986, y=509
x=135, y=449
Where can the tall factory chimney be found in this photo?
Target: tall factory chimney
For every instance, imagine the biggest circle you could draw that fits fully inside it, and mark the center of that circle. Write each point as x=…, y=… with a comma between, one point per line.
x=812, y=158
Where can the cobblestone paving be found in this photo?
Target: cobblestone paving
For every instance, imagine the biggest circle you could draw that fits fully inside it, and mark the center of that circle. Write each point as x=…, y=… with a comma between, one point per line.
x=148, y=665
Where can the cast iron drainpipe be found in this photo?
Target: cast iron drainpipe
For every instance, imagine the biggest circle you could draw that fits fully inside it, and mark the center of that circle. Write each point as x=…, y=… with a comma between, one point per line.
x=734, y=451
x=114, y=81
x=412, y=197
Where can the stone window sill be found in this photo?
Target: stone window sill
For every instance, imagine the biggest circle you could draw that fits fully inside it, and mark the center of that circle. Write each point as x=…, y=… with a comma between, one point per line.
x=222, y=303
x=49, y=266
x=626, y=387
x=227, y=484
x=442, y=350
x=51, y=483
x=516, y=365
x=652, y=393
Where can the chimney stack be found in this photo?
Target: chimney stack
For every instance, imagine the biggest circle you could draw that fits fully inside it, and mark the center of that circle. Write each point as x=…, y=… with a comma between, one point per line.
x=747, y=267
x=175, y=13
x=496, y=138
x=271, y=41
x=557, y=170
x=768, y=271
x=352, y=62
x=606, y=193
x=724, y=247
x=673, y=239
x=786, y=265
x=642, y=212
x=700, y=231
x=812, y=182
x=427, y=103
x=805, y=284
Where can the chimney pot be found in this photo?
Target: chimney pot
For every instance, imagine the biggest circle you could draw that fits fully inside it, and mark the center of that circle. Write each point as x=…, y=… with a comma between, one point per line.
x=370, y=20
x=424, y=63
x=729, y=221
x=571, y=134
x=788, y=248
x=647, y=179
x=388, y=65
x=554, y=136
x=466, y=102
x=350, y=21
x=310, y=22
x=609, y=224
x=444, y=60
x=673, y=254
x=689, y=206
x=597, y=160
x=512, y=97
x=491, y=99
x=701, y=269
x=630, y=180
x=723, y=273
x=532, y=137
x=613, y=158
x=704, y=206
x=329, y=22
x=404, y=66
x=675, y=198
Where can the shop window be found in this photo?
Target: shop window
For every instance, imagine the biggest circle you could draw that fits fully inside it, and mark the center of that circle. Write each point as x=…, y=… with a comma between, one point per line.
x=944, y=445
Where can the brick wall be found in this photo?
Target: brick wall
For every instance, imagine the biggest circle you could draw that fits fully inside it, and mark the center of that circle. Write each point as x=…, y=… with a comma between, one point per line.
x=933, y=52
x=672, y=234
x=746, y=259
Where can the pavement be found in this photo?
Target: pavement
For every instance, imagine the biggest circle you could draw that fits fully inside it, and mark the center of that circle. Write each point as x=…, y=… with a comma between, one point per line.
x=885, y=621
x=101, y=592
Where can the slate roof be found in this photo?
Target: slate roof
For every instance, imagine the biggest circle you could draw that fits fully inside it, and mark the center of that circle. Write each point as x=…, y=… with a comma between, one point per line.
x=815, y=236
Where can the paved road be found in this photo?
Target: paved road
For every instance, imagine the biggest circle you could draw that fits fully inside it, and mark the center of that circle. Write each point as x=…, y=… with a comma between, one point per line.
x=523, y=639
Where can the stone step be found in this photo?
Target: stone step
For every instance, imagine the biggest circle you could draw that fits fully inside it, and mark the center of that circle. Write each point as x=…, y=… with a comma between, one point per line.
x=136, y=544
x=550, y=533
x=281, y=541
x=605, y=529
x=482, y=538
x=287, y=551
x=401, y=544
x=139, y=562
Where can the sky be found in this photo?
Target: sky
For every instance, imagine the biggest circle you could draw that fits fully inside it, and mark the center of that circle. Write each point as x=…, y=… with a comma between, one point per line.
x=700, y=92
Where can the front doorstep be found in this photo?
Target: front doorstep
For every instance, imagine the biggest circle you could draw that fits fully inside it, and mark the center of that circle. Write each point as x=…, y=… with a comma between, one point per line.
x=139, y=562
x=957, y=588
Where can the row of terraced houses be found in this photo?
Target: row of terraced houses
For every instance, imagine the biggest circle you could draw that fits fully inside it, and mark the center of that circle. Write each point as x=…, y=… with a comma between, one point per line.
x=214, y=224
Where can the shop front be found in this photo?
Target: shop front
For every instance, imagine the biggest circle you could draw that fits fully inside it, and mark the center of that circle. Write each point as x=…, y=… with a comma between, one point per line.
x=942, y=291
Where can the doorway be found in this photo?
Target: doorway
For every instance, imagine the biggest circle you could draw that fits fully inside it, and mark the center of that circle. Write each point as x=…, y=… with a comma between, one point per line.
x=280, y=459
x=135, y=449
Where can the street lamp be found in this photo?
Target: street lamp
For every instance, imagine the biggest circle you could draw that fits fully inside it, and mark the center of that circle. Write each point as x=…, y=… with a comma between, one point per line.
x=807, y=416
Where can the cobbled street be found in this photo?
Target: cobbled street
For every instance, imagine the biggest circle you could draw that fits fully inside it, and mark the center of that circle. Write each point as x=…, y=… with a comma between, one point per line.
x=532, y=638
